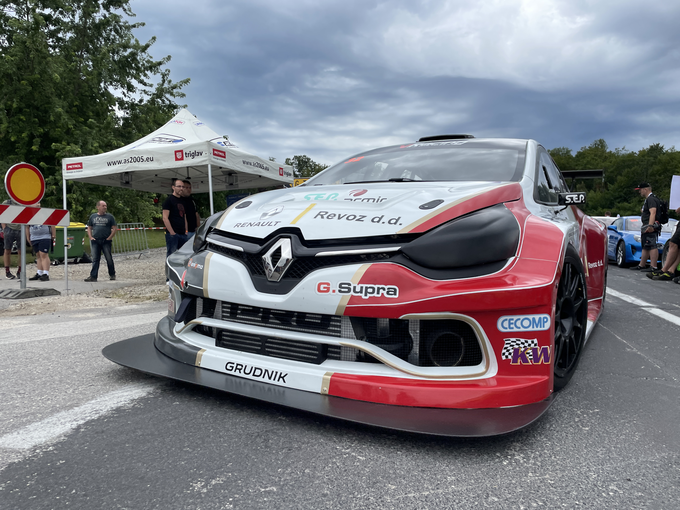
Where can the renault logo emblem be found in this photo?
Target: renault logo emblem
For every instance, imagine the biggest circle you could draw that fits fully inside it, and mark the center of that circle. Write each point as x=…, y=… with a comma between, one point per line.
x=278, y=259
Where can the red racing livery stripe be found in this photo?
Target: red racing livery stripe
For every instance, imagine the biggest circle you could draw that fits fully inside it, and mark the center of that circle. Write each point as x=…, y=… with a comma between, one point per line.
x=505, y=193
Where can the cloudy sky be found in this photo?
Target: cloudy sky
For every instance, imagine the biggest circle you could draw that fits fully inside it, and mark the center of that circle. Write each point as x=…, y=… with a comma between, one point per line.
x=330, y=78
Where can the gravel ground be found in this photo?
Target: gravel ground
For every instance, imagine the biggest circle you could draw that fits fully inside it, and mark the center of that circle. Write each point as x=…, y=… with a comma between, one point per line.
x=138, y=279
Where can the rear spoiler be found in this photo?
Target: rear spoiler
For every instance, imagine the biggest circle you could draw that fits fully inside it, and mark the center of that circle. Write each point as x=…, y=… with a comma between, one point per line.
x=582, y=174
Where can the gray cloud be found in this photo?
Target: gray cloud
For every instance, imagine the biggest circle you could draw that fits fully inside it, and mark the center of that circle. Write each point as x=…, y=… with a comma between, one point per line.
x=332, y=78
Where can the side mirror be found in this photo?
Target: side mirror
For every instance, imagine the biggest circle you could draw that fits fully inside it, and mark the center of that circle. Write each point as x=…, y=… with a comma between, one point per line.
x=612, y=227
x=571, y=198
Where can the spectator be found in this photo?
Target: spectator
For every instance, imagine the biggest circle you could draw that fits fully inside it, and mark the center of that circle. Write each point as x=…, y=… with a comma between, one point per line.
x=667, y=272
x=101, y=227
x=650, y=229
x=175, y=219
x=12, y=233
x=193, y=218
x=41, y=238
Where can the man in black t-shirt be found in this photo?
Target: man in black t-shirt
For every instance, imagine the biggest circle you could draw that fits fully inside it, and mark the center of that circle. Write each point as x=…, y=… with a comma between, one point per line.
x=175, y=218
x=650, y=229
x=193, y=218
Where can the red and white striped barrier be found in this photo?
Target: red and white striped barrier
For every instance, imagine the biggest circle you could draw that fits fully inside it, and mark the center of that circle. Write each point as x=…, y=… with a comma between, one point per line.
x=34, y=215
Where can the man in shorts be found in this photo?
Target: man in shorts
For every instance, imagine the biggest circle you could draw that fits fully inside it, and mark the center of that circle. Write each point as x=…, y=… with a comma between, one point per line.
x=12, y=232
x=667, y=272
x=650, y=229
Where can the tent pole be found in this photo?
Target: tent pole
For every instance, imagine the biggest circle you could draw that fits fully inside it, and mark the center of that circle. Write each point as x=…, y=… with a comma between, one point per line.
x=210, y=187
x=63, y=180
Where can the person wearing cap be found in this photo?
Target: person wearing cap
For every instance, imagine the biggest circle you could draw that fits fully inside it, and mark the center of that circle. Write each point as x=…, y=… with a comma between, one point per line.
x=650, y=229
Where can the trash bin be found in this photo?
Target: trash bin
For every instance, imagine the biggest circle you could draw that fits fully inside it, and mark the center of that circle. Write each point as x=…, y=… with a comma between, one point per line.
x=76, y=246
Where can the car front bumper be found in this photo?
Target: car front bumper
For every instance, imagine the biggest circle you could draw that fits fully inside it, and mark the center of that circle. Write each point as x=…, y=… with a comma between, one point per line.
x=141, y=353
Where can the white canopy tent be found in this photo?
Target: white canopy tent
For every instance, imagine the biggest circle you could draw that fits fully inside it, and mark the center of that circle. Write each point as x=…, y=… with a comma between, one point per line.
x=183, y=148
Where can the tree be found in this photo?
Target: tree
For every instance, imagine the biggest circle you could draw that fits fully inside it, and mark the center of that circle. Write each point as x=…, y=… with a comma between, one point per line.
x=304, y=166
x=75, y=81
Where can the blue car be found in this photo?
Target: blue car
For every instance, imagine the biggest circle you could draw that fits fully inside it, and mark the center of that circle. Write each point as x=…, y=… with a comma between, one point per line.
x=624, y=239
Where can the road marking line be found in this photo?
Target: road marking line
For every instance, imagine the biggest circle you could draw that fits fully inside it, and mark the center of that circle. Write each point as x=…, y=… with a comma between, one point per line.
x=61, y=423
x=647, y=306
x=33, y=333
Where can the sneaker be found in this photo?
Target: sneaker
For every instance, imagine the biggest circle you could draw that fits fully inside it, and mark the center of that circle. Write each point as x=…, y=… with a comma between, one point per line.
x=647, y=270
x=676, y=279
x=664, y=277
x=112, y=277
x=10, y=276
x=45, y=278
x=36, y=277
x=639, y=268
x=90, y=279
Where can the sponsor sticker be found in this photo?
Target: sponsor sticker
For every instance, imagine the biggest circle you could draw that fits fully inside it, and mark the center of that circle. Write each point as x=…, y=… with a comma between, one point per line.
x=357, y=218
x=195, y=265
x=281, y=171
x=322, y=196
x=179, y=155
x=254, y=372
x=271, y=212
x=74, y=166
x=219, y=153
x=250, y=224
x=522, y=351
x=591, y=265
x=537, y=322
x=366, y=290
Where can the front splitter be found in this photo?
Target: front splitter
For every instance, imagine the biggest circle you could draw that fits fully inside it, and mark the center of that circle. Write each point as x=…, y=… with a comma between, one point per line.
x=141, y=354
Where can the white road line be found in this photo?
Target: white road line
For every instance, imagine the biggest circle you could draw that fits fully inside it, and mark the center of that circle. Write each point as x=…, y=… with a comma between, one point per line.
x=33, y=333
x=61, y=423
x=651, y=308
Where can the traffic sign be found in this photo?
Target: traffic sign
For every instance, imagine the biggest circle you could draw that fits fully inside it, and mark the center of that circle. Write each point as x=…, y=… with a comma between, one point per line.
x=25, y=184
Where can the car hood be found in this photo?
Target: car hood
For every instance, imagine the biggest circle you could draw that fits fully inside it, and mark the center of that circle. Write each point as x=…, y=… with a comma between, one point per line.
x=362, y=210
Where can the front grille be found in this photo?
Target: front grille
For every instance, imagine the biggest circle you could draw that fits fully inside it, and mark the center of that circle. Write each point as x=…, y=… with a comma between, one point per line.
x=302, y=322
x=301, y=266
x=422, y=343
x=276, y=347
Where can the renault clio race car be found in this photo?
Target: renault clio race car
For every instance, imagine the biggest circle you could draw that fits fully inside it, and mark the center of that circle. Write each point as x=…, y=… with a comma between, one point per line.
x=446, y=286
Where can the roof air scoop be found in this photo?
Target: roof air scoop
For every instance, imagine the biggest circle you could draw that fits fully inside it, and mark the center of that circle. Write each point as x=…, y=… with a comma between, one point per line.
x=444, y=137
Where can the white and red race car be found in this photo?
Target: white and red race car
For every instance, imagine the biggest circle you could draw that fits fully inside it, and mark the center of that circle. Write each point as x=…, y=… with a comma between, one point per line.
x=446, y=286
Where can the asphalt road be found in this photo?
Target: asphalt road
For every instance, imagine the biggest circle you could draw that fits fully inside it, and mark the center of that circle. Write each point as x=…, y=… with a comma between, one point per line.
x=77, y=431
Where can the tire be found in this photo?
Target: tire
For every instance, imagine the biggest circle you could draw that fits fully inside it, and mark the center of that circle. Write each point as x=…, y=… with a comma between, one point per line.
x=621, y=254
x=664, y=253
x=571, y=319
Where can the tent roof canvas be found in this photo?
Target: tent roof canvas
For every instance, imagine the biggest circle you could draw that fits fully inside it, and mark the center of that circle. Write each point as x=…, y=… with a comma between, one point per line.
x=183, y=148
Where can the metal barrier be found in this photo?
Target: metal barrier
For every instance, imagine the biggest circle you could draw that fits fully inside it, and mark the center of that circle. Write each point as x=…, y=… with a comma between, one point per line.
x=130, y=239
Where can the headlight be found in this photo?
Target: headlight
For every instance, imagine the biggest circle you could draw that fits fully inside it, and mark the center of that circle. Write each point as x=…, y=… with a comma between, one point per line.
x=638, y=239
x=202, y=231
x=481, y=237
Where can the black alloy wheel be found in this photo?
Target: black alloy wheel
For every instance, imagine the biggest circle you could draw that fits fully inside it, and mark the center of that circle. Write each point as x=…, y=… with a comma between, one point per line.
x=621, y=254
x=571, y=318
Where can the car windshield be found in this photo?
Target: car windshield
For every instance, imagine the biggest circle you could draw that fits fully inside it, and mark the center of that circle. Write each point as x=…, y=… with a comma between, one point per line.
x=669, y=227
x=633, y=224
x=443, y=161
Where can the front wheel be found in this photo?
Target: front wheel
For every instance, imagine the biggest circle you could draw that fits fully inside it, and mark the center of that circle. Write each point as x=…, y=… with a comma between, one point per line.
x=621, y=254
x=571, y=318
